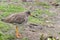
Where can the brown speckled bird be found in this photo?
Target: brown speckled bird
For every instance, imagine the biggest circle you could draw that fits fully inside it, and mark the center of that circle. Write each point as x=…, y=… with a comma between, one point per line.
x=19, y=18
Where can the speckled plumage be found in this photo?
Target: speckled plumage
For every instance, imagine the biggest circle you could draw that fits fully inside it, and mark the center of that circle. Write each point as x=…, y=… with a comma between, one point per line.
x=17, y=18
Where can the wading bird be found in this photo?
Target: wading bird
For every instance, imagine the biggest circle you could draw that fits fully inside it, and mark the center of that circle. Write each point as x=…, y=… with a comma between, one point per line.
x=19, y=18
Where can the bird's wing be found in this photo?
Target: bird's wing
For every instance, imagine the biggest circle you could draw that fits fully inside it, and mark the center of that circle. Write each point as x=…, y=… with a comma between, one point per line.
x=9, y=18
x=15, y=18
x=19, y=19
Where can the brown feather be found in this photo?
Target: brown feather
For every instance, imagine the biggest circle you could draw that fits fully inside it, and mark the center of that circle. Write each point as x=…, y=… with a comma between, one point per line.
x=17, y=18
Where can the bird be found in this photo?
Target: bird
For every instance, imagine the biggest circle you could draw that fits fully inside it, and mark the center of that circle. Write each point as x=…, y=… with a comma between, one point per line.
x=19, y=18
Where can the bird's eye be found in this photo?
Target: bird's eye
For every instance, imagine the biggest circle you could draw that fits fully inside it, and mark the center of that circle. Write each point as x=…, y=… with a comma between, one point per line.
x=28, y=12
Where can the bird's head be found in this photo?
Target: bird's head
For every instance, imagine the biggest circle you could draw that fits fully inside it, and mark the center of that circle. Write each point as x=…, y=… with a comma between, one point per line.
x=28, y=13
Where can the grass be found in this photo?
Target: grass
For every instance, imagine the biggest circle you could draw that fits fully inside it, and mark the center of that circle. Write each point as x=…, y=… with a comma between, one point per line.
x=6, y=36
x=43, y=4
x=4, y=27
x=9, y=9
x=39, y=14
x=25, y=38
x=57, y=1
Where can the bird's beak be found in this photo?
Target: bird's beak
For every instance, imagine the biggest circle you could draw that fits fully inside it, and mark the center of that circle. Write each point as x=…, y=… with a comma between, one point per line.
x=31, y=15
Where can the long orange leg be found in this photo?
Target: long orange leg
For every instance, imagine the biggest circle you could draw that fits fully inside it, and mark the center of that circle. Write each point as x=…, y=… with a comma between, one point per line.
x=18, y=35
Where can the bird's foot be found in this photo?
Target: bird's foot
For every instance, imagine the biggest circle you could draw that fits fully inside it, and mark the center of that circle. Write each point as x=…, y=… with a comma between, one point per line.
x=18, y=35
